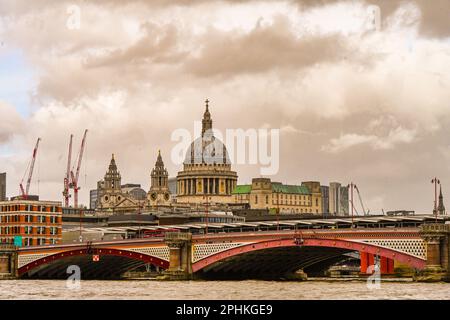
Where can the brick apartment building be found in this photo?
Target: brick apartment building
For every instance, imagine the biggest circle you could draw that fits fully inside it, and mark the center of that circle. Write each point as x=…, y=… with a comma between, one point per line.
x=36, y=222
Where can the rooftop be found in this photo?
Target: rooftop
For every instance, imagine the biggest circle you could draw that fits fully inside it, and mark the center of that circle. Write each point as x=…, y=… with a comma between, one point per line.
x=276, y=188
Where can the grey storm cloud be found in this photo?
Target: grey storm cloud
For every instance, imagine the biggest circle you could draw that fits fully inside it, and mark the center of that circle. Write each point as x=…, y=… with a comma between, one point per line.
x=262, y=49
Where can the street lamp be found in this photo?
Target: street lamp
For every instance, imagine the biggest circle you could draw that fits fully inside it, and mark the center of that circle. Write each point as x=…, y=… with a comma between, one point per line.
x=436, y=182
x=278, y=210
x=206, y=211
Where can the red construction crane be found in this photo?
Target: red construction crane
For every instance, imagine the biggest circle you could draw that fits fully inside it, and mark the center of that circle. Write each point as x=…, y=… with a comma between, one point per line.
x=74, y=177
x=30, y=169
x=67, y=177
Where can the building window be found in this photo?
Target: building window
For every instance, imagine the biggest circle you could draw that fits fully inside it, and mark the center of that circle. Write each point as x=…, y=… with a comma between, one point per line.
x=267, y=199
x=256, y=199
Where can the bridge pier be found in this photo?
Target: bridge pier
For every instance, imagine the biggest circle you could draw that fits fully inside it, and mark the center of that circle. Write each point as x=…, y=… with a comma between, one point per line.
x=436, y=238
x=8, y=262
x=180, y=256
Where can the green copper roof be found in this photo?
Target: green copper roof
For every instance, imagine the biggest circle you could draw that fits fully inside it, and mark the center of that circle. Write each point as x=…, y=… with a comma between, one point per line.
x=242, y=189
x=291, y=189
x=276, y=187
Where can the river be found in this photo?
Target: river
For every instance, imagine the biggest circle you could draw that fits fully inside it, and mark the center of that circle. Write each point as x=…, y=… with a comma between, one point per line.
x=241, y=290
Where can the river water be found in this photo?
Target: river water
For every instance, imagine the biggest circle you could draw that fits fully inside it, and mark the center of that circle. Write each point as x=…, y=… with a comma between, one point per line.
x=223, y=290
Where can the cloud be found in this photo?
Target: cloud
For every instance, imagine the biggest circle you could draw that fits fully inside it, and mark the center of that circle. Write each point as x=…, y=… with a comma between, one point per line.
x=158, y=45
x=12, y=123
x=137, y=70
x=395, y=137
x=263, y=48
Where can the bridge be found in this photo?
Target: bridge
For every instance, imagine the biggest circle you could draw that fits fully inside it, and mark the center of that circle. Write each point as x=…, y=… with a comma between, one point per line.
x=420, y=243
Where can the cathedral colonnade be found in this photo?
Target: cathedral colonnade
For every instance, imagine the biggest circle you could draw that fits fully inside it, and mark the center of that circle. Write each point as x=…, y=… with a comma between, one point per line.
x=199, y=185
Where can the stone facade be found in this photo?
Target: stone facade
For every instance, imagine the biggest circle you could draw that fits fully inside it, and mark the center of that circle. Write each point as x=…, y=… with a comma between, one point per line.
x=110, y=196
x=274, y=196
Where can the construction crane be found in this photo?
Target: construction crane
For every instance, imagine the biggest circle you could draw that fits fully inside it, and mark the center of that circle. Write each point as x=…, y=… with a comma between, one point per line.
x=67, y=177
x=360, y=200
x=30, y=168
x=73, y=184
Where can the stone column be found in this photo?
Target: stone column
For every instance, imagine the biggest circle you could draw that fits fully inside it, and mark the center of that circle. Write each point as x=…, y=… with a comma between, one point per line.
x=180, y=252
x=433, y=250
x=8, y=262
x=436, y=237
x=174, y=256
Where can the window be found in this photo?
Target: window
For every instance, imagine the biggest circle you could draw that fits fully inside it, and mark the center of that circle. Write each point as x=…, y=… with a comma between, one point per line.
x=256, y=199
x=267, y=199
x=28, y=230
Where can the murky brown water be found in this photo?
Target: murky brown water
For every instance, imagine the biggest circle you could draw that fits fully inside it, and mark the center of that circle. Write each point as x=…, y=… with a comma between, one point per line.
x=187, y=290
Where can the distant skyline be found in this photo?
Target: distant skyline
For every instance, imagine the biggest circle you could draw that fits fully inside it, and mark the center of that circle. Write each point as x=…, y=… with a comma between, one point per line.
x=353, y=102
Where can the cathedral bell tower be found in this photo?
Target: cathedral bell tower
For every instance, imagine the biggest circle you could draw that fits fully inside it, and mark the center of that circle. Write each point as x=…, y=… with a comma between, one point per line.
x=159, y=193
x=109, y=189
x=112, y=177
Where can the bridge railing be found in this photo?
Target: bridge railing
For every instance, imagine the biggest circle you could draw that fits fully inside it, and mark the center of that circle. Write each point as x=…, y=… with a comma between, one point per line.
x=7, y=246
x=435, y=227
x=177, y=236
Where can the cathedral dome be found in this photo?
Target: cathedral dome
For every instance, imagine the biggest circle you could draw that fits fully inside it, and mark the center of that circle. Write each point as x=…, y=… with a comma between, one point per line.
x=206, y=174
x=207, y=150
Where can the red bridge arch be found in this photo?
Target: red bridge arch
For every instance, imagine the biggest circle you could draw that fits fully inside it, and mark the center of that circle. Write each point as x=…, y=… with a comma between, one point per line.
x=405, y=258
x=94, y=251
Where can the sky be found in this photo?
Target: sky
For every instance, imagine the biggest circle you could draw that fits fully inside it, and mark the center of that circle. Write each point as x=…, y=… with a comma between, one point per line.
x=359, y=90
